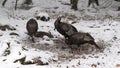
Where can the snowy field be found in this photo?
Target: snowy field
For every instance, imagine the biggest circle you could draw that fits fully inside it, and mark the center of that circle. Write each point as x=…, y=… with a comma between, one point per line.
x=17, y=50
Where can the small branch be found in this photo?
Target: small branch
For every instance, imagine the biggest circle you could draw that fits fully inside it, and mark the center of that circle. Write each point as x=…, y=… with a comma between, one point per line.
x=3, y=4
x=16, y=4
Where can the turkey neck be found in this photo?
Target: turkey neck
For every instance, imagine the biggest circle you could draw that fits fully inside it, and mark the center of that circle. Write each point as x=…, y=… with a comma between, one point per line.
x=57, y=22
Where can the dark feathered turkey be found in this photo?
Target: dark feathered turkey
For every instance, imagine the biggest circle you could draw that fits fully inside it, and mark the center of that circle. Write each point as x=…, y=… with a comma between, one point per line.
x=32, y=27
x=63, y=28
x=81, y=38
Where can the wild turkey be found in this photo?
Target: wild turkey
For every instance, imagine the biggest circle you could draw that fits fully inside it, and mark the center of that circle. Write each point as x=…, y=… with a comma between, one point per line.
x=32, y=27
x=63, y=28
x=81, y=38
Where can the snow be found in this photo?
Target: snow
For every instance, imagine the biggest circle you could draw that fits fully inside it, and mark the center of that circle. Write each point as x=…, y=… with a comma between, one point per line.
x=102, y=24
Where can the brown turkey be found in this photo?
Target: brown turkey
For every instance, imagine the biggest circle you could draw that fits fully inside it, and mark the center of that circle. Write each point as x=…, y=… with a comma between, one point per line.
x=32, y=27
x=80, y=38
x=63, y=28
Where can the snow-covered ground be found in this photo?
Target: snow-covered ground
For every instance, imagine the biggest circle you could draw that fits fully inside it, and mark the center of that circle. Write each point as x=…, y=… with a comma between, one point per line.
x=17, y=51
